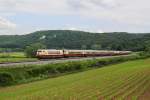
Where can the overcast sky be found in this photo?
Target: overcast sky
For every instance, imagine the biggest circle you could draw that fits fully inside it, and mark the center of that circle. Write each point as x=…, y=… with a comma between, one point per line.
x=25, y=16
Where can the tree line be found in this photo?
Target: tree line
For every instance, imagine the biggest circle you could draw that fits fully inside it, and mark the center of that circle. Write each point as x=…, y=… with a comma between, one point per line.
x=66, y=39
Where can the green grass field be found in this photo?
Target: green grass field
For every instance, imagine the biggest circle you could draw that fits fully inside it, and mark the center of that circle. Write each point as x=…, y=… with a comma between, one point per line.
x=129, y=80
x=14, y=57
x=13, y=60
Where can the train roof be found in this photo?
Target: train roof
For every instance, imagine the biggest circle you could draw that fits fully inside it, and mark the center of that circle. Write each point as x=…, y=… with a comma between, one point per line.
x=82, y=50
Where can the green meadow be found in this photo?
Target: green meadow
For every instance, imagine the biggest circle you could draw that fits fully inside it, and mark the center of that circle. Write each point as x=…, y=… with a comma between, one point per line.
x=10, y=57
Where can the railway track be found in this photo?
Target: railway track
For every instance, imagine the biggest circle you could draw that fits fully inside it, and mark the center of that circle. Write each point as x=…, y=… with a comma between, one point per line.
x=52, y=61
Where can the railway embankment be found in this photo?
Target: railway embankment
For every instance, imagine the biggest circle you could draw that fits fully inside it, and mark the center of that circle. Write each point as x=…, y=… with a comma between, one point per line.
x=27, y=73
x=53, y=61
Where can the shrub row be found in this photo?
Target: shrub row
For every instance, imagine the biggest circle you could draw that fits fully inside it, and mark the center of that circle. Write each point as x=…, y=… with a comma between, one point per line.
x=6, y=79
x=21, y=74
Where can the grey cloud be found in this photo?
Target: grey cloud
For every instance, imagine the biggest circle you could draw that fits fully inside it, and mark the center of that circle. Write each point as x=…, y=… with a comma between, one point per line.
x=6, y=24
x=7, y=5
x=129, y=12
x=90, y=4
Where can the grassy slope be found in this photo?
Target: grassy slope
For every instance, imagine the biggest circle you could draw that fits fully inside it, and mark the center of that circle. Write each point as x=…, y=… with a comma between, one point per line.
x=124, y=80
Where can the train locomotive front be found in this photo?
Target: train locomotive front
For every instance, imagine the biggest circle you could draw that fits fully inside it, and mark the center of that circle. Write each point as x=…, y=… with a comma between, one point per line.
x=47, y=54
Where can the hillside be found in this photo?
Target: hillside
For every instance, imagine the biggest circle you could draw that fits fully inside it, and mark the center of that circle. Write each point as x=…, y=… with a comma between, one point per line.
x=132, y=81
x=58, y=39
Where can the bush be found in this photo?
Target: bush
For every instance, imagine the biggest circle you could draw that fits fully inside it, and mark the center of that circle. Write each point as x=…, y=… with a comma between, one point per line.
x=31, y=50
x=6, y=79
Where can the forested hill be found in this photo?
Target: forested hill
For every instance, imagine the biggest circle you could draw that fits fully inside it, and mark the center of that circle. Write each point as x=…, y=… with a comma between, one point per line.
x=59, y=39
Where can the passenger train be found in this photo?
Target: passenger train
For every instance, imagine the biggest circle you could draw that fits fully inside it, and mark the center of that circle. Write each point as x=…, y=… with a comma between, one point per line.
x=50, y=53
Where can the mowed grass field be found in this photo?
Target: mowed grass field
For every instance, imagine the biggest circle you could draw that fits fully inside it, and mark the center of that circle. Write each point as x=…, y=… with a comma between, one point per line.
x=125, y=81
x=14, y=57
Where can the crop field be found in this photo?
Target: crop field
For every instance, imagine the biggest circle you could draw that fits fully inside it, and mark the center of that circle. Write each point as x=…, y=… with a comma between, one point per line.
x=129, y=80
x=14, y=57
